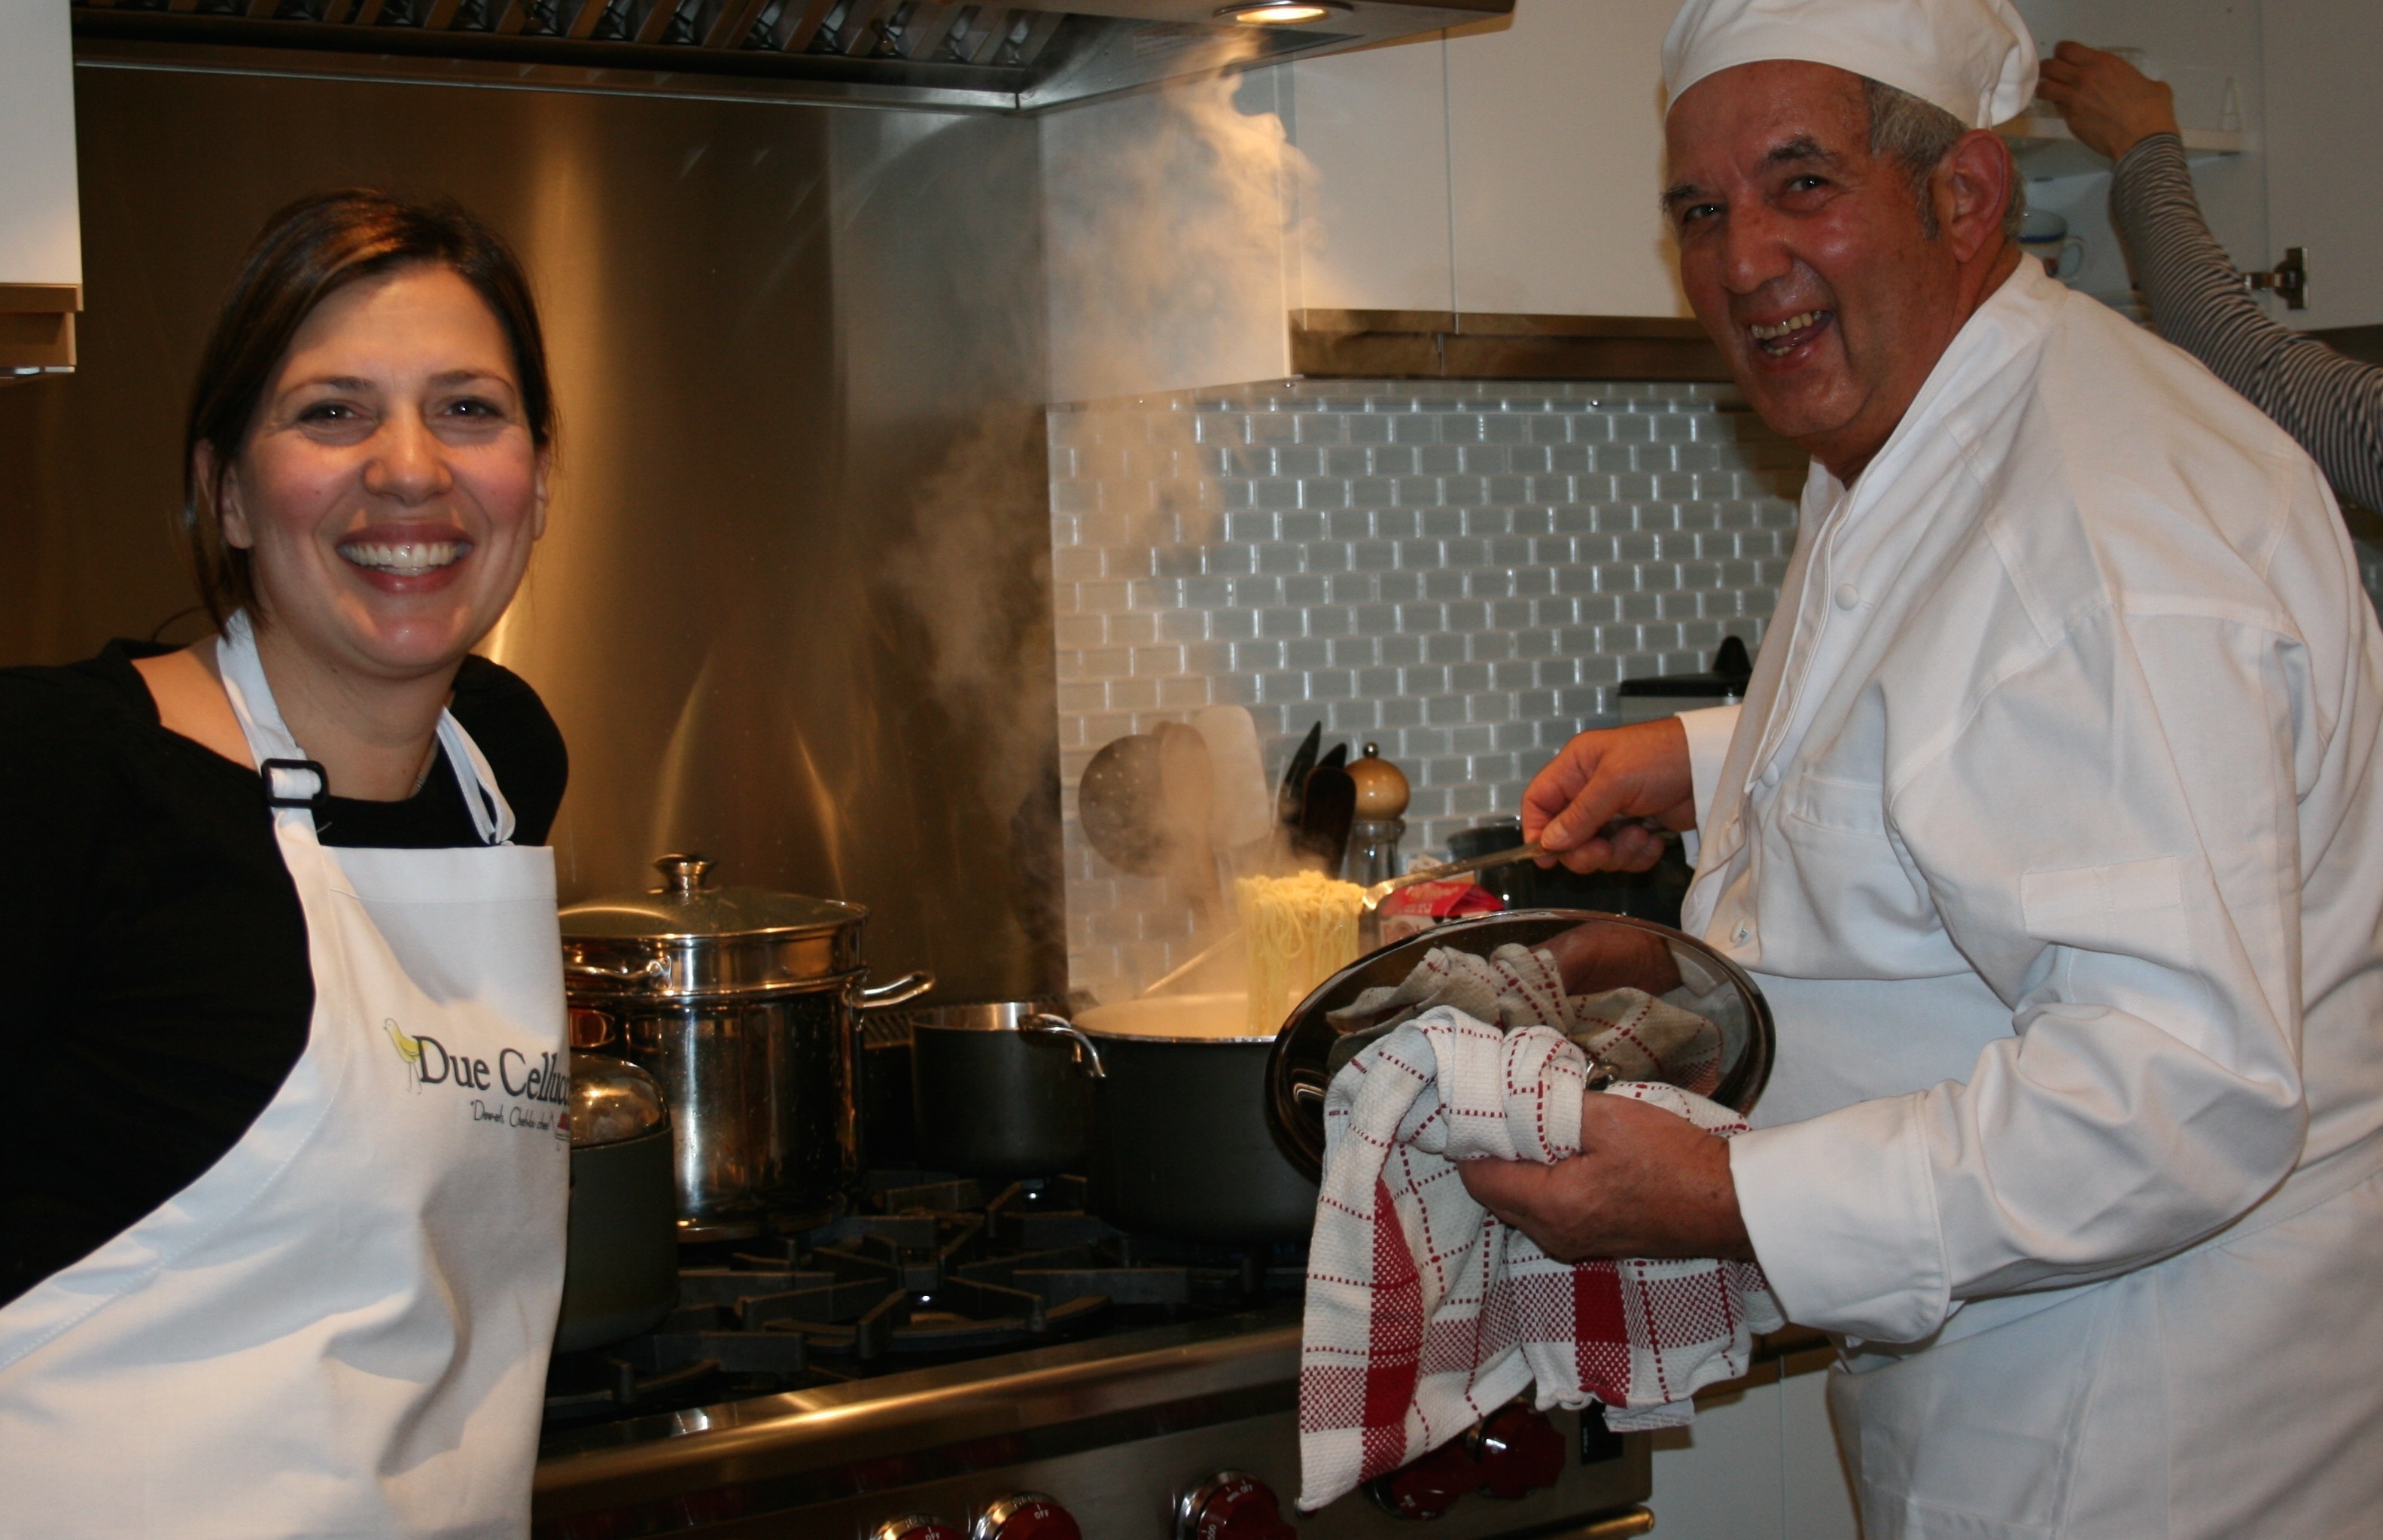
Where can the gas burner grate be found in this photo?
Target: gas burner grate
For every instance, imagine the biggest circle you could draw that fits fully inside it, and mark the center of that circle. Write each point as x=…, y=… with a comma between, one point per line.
x=934, y=1273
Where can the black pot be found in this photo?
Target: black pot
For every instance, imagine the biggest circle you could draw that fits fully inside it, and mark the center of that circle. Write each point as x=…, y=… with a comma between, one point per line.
x=621, y=1261
x=997, y=1090
x=1182, y=1148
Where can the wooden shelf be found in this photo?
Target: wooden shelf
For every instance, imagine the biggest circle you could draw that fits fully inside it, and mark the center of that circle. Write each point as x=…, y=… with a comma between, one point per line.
x=37, y=328
x=2046, y=147
x=1439, y=344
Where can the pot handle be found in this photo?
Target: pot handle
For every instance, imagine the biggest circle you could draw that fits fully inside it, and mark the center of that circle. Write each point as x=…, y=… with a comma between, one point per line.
x=653, y=967
x=908, y=987
x=1087, y=1056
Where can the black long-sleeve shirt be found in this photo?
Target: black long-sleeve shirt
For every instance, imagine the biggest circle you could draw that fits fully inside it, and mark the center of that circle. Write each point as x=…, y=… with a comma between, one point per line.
x=2331, y=404
x=158, y=985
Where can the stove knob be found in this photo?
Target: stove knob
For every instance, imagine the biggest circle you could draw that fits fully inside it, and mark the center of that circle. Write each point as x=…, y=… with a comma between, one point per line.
x=1428, y=1488
x=1518, y=1452
x=915, y=1526
x=1231, y=1505
x=1026, y=1516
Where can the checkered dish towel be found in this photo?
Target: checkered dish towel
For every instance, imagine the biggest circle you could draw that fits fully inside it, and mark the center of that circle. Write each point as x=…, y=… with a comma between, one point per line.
x=1425, y=1313
x=1634, y=1034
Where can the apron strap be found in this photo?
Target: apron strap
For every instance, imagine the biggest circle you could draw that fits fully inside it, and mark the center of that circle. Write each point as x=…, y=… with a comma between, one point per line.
x=491, y=814
x=286, y=768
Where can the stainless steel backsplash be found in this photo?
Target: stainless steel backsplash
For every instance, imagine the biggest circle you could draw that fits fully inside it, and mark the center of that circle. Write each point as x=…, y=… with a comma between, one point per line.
x=793, y=608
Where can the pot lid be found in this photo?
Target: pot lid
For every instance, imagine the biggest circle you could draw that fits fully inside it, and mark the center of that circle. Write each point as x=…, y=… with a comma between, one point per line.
x=685, y=907
x=613, y=1100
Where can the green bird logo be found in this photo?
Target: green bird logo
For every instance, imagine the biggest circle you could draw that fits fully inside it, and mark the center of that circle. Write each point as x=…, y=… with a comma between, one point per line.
x=408, y=1049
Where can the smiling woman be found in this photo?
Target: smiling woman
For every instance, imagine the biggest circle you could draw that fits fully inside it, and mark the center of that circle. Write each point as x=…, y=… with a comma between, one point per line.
x=272, y=860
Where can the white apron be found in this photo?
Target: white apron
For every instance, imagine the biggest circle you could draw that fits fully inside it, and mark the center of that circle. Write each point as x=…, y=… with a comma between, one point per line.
x=341, y=1327
x=2048, y=830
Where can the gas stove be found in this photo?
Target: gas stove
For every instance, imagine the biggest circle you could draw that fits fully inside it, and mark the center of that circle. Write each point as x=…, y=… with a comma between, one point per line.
x=948, y=1365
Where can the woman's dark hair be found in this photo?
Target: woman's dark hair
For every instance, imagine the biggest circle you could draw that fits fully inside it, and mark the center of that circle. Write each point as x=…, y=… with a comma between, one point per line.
x=305, y=253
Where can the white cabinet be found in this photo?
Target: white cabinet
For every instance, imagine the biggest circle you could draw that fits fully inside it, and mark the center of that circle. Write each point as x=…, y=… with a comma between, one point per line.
x=41, y=231
x=1375, y=214
x=1759, y=1463
x=2208, y=53
x=1164, y=218
x=1555, y=132
x=2325, y=174
x=1504, y=168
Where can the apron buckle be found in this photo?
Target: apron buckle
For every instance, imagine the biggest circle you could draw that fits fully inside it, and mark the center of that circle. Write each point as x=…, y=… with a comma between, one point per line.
x=273, y=797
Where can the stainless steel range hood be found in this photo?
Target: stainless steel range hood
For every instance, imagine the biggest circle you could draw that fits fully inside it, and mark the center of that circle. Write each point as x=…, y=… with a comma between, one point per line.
x=942, y=54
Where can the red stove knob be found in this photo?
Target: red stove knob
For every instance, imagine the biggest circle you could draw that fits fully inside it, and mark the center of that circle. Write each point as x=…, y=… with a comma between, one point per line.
x=1428, y=1488
x=1026, y=1516
x=915, y=1526
x=1518, y=1452
x=1231, y=1505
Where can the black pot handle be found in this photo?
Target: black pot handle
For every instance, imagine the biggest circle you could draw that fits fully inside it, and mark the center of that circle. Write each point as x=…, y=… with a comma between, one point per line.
x=1087, y=1056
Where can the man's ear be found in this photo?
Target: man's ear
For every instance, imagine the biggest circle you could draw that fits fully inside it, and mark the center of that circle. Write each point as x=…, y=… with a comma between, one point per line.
x=1970, y=189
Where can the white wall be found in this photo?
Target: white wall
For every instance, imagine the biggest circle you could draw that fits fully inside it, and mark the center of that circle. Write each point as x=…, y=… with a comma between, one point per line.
x=40, y=233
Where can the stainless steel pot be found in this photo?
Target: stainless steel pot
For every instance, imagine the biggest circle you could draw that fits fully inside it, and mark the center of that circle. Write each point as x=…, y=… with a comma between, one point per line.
x=996, y=1091
x=620, y=1271
x=1180, y=1147
x=745, y=1004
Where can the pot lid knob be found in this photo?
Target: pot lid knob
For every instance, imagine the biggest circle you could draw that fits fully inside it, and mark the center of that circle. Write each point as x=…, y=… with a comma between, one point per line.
x=682, y=875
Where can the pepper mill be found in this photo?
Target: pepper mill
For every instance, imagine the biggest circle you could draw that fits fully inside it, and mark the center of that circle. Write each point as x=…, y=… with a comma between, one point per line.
x=1374, y=835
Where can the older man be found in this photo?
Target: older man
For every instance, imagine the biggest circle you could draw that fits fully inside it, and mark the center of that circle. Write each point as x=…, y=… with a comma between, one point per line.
x=2050, y=827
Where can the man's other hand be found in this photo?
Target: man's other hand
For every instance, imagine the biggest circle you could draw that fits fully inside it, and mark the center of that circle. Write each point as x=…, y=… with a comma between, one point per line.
x=2110, y=104
x=1646, y=1184
x=1639, y=771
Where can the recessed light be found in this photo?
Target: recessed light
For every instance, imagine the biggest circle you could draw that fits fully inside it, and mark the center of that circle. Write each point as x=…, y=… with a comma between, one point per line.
x=1279, y=13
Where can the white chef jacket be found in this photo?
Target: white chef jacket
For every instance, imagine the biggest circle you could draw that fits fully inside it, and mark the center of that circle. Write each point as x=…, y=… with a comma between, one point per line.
x=2050, y=828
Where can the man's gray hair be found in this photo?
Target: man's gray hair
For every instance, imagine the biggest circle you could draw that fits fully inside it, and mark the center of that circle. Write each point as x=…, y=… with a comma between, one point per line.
x=1921, y=134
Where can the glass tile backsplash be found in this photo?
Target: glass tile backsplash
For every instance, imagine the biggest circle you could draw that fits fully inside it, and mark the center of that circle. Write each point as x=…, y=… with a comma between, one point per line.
x=1460, y=572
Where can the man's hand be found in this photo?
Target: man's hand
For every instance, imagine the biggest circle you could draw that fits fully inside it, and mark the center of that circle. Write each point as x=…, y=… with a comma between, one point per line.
x=1646, y=1184
x=2110, y=104
x=1641, y=771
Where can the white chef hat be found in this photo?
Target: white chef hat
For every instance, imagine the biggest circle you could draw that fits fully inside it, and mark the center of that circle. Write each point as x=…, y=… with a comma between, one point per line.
x=1974, y=58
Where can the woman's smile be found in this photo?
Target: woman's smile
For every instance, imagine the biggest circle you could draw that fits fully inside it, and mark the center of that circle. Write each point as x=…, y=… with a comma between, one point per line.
x=405, y=563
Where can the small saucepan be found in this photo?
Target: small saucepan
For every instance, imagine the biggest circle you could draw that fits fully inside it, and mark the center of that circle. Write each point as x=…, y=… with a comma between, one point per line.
x=1001, y=1090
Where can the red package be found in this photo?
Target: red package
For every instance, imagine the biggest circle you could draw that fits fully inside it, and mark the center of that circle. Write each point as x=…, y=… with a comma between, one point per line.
x=1418, y=908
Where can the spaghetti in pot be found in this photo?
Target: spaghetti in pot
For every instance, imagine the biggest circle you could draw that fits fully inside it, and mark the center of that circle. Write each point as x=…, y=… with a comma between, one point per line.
x=1299, y=930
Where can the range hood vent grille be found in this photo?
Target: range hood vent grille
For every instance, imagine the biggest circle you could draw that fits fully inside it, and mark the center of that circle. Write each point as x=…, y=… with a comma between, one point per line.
x=942, y=54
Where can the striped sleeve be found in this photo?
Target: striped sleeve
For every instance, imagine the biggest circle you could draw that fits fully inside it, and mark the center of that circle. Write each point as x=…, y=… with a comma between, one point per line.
x=2333, y=405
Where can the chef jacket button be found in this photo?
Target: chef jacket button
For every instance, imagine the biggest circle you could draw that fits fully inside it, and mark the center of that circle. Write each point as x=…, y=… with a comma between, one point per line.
x=1771, y=773
x=1847, y=596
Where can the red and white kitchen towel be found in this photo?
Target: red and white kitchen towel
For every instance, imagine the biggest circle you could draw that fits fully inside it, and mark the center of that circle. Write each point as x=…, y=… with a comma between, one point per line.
x=1425, y=1313
x=1636, y=1035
